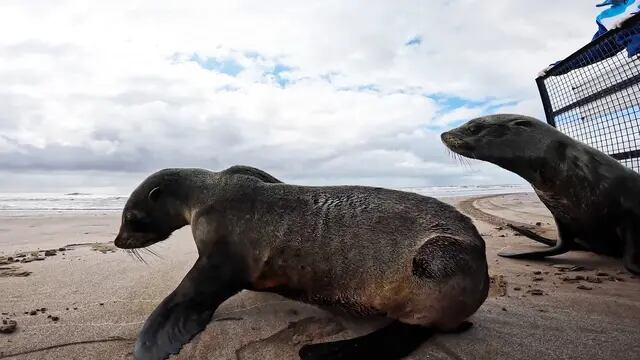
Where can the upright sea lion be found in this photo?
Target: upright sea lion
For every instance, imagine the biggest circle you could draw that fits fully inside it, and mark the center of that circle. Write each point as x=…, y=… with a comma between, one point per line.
x=370, y=251
x=594, y=199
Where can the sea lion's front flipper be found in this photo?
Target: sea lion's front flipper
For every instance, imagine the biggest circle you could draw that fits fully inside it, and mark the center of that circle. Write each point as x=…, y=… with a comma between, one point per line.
x=187, y=310
x=531, y=235
x=394, y=341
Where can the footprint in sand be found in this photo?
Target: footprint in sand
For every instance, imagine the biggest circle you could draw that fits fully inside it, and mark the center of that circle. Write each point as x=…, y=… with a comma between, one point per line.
x=9, y=269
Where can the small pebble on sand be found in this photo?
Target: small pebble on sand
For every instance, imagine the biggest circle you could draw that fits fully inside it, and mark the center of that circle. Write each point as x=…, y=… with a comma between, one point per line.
x=33, y=312
x=584, y=287
x=8, y=327
x=537, y=272
x=537, y=278
x=569, y=267
x=573, y=279
x=517, y=288
x=536, y=292
x=593, y=279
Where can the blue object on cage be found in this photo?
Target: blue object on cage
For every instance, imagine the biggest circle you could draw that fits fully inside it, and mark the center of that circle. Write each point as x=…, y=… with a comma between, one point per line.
x=630, y=41
x=616, y=12
x=628, y=37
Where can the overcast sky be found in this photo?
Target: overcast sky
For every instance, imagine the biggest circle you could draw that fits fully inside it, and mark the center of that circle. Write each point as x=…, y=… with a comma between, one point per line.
x=94, y=95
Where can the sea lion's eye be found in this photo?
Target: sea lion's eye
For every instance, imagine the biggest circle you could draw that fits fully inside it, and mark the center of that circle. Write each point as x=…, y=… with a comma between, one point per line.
x=475, y=129
x=129, y=216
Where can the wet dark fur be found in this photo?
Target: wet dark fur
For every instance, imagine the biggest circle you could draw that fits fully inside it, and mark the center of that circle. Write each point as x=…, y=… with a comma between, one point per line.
x=594, y=199
x=330, y=246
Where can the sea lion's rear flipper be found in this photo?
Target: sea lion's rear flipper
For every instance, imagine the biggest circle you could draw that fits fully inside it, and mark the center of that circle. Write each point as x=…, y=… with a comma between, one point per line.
x=394, y=341
x=251, y=171
x=187, y=310
x=631, y=236
x=556, y=250
x=531, y=235
x=564, y=244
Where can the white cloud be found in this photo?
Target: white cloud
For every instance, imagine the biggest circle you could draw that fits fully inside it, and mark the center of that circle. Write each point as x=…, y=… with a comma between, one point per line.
x=91, y=86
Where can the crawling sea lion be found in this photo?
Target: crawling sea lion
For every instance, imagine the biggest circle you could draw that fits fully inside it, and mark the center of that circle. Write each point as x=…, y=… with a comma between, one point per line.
x=594, y=199
x=370, y=251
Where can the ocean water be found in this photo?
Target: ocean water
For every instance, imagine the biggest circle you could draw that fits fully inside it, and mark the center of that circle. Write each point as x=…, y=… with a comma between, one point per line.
x=469, y=190
x=44, y=203
x=21, y=204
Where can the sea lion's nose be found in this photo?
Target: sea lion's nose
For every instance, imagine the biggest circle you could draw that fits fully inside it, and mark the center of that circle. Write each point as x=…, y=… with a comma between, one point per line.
x=119, y=240
x=446, y=137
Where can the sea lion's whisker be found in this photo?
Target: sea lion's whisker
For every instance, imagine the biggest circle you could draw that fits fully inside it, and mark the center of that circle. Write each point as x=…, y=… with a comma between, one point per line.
x=151, y=252
x=128, y=252
x=142, y=259
x=449, y=153
x=467, y=162
x=132, y=254
x=138, y=256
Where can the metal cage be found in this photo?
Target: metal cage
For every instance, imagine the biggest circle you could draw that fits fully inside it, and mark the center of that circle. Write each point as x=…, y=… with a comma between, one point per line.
x=594, y=94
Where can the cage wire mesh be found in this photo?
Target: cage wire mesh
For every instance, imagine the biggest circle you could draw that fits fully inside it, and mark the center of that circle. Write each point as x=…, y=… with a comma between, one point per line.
x=594, y=94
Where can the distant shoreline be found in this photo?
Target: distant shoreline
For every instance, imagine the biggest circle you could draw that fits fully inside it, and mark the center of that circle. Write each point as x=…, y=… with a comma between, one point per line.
x=74, y=203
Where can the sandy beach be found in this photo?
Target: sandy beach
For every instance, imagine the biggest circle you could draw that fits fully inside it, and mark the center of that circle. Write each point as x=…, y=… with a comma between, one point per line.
x=87, y=300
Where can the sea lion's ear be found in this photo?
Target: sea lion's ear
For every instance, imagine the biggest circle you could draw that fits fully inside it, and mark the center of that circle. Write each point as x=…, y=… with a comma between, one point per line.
x=523, y=123
x=154, y=194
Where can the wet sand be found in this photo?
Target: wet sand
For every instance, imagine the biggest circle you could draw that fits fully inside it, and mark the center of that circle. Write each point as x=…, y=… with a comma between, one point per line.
x=95, y=297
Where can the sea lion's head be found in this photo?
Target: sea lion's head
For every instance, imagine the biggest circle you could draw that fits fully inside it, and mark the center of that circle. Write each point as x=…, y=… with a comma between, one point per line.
x=504, y=139
x=154, y=210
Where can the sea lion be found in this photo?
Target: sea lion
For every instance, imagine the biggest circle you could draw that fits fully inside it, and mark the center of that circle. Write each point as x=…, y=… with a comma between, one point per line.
x=594, y=199
x=370, y=251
